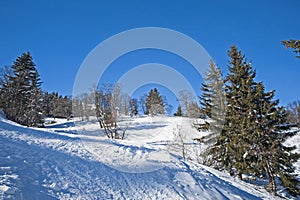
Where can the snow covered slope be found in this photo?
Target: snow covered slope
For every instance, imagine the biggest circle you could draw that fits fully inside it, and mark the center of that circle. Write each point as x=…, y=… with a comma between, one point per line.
x=65, y=161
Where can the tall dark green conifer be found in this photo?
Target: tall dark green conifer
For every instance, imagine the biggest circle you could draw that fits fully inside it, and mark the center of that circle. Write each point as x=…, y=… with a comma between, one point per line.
x=23, y=96
x=34, y=109
x=238, y=126
x=272, y=158
x=255, y=129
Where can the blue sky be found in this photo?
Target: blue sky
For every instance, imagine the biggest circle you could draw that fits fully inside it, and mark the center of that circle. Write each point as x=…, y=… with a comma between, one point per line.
x=60, y=34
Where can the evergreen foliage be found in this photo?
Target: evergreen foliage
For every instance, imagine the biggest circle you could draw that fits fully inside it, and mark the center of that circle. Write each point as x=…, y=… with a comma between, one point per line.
x=133, y=107
x=237, y=128
x=154, y=103
x=57, y=106
x=293, y=44
x=212, y=100
x=178, y=112
x=21, y=93
x=255, y=129
x=272, y=158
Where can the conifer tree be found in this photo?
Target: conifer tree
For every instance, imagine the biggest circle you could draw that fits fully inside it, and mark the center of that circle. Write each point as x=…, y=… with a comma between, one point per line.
x=154, y=103
x=34, y=108
x=272, y=158
x=212, y=100
x=133, y=107
x=255, y=129
x=23, y=93
x=5, y=72
x=213, y=108
x=178, y=112
x=239, y=96
x=231, y=143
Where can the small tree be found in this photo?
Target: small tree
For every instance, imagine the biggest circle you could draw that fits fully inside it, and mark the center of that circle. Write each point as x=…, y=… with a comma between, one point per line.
x=213, y=105
x=179, y=143
x=154, y=103
x=107, y=110
x=185, y=100
x=178, y=112
x=133, y=107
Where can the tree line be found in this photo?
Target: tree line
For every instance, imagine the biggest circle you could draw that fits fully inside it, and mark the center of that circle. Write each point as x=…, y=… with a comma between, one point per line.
x=23, y=101
x=108, y=103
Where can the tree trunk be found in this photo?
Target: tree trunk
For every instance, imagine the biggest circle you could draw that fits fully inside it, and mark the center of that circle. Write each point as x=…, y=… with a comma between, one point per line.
x=240, y=175
x=271, y=187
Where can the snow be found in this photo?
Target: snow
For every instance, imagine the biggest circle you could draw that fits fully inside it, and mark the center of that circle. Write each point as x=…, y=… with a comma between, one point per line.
x=295, y=140
x=75, y=160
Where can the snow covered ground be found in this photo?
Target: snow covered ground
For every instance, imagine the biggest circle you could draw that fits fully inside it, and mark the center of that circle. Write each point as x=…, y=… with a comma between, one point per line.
x=70, y=160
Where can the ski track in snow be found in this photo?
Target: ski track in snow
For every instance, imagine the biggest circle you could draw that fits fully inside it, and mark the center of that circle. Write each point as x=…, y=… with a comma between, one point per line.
x=53, y=163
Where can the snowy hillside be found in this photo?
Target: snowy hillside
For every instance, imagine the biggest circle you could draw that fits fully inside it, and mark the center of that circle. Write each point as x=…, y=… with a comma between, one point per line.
x=70, y=160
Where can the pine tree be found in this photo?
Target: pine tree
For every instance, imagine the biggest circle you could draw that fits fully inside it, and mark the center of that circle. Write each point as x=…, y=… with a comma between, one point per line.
x=5, y=72
x=255, y=129
x=230, y=145
x=34, y=110
x=213, y=108
x=272, y=158
x=178, y=112
x=212, y=100
x=239, y=96
x=154, y=103
x=23, y=93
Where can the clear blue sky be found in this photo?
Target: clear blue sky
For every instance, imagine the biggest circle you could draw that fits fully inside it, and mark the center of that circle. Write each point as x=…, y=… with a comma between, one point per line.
x=60, y=34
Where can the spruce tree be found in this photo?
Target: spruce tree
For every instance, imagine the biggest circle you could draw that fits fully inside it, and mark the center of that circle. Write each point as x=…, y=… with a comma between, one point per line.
x=255, y=129
x=23, y=97
x=154, y=103
x=272, y=158
x=212, y=100
x=231, y=142
x=239, y=95
x=34, y=108
x=213, y=109
x=178, y=112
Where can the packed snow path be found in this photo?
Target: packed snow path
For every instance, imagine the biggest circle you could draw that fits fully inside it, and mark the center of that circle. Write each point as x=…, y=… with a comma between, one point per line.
x=36, y=164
